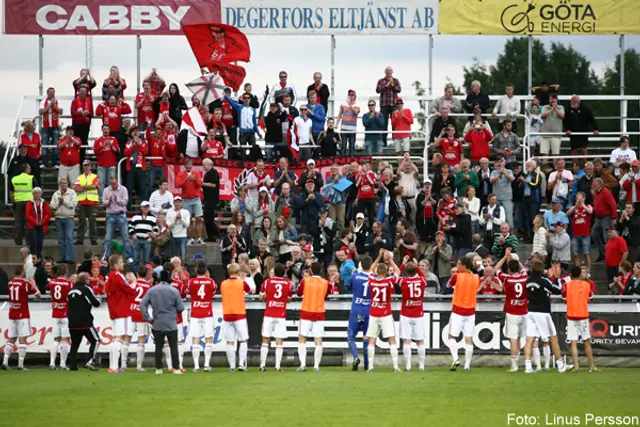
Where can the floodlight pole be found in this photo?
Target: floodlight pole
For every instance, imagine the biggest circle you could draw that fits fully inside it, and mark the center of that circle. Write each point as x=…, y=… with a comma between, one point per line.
x=138, y=48
x=40, y=66
x=333, y=75
x=430, y=64
x=529, y=63
x=623, y=104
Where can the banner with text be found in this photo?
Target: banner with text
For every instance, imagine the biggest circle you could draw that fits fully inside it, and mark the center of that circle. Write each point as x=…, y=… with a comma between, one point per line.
x=539, y=17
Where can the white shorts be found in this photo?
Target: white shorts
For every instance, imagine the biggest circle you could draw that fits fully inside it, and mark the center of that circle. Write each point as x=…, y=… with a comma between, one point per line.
x=578, y=329
x=464, y=324
x=121, y=327
x=235, y=331
x=142, y=329
x=201, y=327
x=180, y=332
x=540, y=325
x=275, y=327
x=552, y=143
x=19, y=328
x=382, y=325
x=311, y=328
x=412, y=328
x=515, y=326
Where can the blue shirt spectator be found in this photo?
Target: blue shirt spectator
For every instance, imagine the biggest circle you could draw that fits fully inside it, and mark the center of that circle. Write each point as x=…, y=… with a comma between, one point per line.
x=555, y=214
x=318, y=116
x=346, y=270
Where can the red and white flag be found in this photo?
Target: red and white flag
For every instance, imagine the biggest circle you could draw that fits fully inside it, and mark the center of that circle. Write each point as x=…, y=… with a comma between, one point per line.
x=192, y=121
x=207, y=88
x=293, y=140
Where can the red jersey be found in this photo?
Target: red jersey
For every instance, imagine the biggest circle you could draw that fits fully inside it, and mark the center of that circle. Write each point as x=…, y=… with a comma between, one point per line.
x=59, y=289
x=142, y=287
x=145, y=111
x=106, y=150
x=156, y=149
x=19, y=291
x=120, y=295
x=69, y=151
x=228, y=118
x=78, y=107
x=516, y=300
x=182, y=288
x=366, y=185
x=190, y=188
x=112, y=116
x=486, y=286
x=202, y=290
x=136, y=160
x=446, y=212
x=451, y=151
x=277, y=292
x=381, y=290
x=213, y=150
x=34, y=139
x=412, y=296
x=170, y=144
x=580, y=222
x=96, y=287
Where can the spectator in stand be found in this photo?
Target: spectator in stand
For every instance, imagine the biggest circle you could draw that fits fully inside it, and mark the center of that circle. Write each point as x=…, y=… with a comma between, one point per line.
x=426, y=213
x=156, y=83
x=532, y=181
x=373, y=122
x=508, y=107
x=605, y=211
x=542, y=92
x=232, y=246
x=260, y=208
x=443, y=121
x=517, y=189
x=335, y=198
x=476, y=99
x=311, y=173
x=16, y=167
x=628, y=227
x=321, y=90
x=439, y=255
x=262, y=234
x=136, y=152
x=176, y=104
x=556, y=214
x=466, y=178
x=450, y=146
x=377, y=239
x=445, y=180
x=280, y=89
x=86, y=188
x=190, y=182
x=115, y=199
x=163, y=241
x=284, y=204
x=501, y=179
x=85, y=80
x=204, y=111
x=329, y=141
x=273, y=123
x=309, y=203
x=407, y=176
x=401, y=121
x=616, y=252
x=503, y=241
x=506, y=143
x=143, y=229
x=479, y=138
x=227, y=116
x=360, y=234
x=621, y=282
x=144, y=105
x=472, y=206
x=283, y=239
x=492, y=218
x=69, y=146
x=579, y=118
x=290, y=112
x=161, y=200
x=606, y=173
x=81, y=114
x=323, y=241
x=366, y=199
x=247, y=123
x=388, y=87
x=31, y=139
x=257, y=179
x=106, y=149
x=112, y=113
x=539, y=236
x=211, y=197
x=50, y=113
x=448, y=102
x=630, y=183
x=552, y=116
x=157, y=155
x=118, y=83
x=535, y=126
x=38, y=216
x=484, y=180
x=585, y=183
x=561, y=244
x=63, y=205
x=317, y=113
x=178, y=222
x=561, y=182
x=461, y=231
x=301, y=132
x=633, y=285
x=624, y=154
x=283, y=175
x=347, y=121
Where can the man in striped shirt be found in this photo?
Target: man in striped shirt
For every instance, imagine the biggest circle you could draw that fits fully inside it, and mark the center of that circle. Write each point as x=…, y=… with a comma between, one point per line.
x=143, y=229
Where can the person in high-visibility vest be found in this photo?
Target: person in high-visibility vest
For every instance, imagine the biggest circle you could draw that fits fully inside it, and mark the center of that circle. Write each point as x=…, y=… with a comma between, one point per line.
x=314, y=291
x=234, y=315
x=577, y=293
x=22, y=187
x=86, y=188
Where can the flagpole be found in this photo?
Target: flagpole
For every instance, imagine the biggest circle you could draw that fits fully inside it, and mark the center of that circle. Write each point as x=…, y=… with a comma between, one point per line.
x=333, y=74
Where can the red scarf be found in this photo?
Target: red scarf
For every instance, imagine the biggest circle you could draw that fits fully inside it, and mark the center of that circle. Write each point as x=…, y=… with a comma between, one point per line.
x=428, y=208
x=45, y=117
x=87, y=103
x=39, y=211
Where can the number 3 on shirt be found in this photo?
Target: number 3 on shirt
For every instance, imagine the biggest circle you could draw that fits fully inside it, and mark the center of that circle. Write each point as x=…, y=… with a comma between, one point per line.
x=278, y=293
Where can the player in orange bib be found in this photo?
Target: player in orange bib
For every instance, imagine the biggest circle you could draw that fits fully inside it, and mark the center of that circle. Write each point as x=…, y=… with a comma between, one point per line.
x=577, y=295
x=463, y=312
x=234, y=315
x=314, y=291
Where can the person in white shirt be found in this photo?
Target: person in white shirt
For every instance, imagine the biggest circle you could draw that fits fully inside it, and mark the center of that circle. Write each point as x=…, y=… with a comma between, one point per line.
x=302, y=129
x=256, y=179
x=281, y=88
x=508, y=106
x=178, y=221
x=161, y=200
x=624, y=154
x=561, y=181
x=29, y=268
x=408, y=178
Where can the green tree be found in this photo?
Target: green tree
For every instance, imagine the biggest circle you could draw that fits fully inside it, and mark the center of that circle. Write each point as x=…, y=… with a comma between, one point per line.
x=420, y=116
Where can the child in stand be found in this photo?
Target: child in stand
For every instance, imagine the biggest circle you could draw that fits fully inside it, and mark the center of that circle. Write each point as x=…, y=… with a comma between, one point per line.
x=96, y=281
x=333, y=277
x=535, y=121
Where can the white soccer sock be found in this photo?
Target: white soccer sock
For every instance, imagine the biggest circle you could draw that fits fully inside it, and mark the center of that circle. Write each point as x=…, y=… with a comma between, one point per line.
x=167, y=356
x=421, y=355
x=372, y=354
x=231, y=355
x=264, y=352
x=468, y=354
x=527, y=365
x=22, y=352
x=140, y=355
x=302, y=354
x=453, y=348
x=8, y=349
x=406, y=351
x=181, y=354
x=124, y=355
x=279, y=350
x=195, y=355
x=514, y=362
x=559, y=363
x=208, y=350
x=536, y=357
x=64, y=352
x=53, y=353
x=393, y=349
x=546, y=351
x=242, y=354
x=317, y=356
x=114, y=355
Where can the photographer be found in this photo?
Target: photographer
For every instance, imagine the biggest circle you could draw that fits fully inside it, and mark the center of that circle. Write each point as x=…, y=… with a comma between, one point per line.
x=81, y=300
x=628, y=227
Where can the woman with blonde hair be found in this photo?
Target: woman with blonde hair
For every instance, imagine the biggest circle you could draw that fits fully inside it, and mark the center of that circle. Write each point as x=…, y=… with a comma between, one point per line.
x=540, y=235
x=269, y=263
x=256, y=273
x=119, y=84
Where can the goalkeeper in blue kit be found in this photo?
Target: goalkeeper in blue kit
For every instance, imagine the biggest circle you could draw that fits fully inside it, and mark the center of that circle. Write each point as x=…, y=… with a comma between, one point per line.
x=359, y=317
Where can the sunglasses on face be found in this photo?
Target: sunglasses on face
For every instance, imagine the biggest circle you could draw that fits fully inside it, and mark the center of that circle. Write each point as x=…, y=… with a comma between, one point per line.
x=303, y=109
x=399, y=103
x=283, y=77
x=372, y=105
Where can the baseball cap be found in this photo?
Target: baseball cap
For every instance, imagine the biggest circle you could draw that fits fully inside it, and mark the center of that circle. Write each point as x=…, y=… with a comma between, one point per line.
x=94, y=266
x=145, y=203
x=439, y=232
x=307, y=248
x=399, y=101
x=177, y=198
x=324, y=209
x=635, y=163
x=149, y=266
x=86, y=162
x=197, y=257
x=555, y=261
x=263, y=188
x=309, y=181
x=311, y=162
x=556, y=200
x=427, y=180
x=359, y=215
x=351, y=91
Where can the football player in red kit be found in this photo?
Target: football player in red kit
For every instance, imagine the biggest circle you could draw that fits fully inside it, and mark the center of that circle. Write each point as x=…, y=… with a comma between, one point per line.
x=202, y=289
x=59, y=289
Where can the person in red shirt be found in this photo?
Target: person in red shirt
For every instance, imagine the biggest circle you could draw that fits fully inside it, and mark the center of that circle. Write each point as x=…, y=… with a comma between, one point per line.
x=162, y=106
x=156, y=83
x=86, y=80
x=446, y=209
x=580, y=215
x=620, y=283
x=450, y=146
x=212, y=148
x=81, y=114
x=490, y=283
x=120, y=296
x=615, y=252
x=157, y=153
x=190, y=182
x=605, y=210
x=59, y=289
x=38, y=216
x=69, y=146
x=96, y=281
x=136, y=150
x=277, y=292
x=144, y=105
x=179, y=280
x=366, y=200
x=478, y=137
x=31, y=139
x=171, y=142
x=412, y=314
x=112, y=113
x=587, y=278
x=202, y=289
x=401, y=121
x=106, y=149
x=141, y=326
x=50, y=112
x=19, y=317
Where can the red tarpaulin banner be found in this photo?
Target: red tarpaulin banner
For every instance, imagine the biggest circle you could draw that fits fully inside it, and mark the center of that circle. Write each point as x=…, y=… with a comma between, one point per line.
x=233, y=174
x=158, y=17
x=217, y=42
x=232, y=75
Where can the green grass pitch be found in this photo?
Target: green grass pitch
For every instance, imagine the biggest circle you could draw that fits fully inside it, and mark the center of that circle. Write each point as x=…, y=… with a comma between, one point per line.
x=333, y=396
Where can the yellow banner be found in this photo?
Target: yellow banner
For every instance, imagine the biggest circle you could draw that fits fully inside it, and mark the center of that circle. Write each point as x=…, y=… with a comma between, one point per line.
x=539, y=17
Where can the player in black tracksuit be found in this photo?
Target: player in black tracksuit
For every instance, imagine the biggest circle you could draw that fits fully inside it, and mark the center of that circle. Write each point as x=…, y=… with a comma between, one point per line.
x=539, y=322
x=81, y=300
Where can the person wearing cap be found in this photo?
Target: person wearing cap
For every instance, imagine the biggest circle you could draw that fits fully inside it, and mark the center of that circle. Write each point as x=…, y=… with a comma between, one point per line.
x=560, y=241
x=115, y=199
x=401, y=121
x=388, y=87
x=501, y=179
x=311, y=174
x=309, y=203
x=143, y=229
x=347, y=122
x=261, y=207
x=86, y=188
x=506, y=143
x=605, y=210
x=69, y=156
x=38, y=215
x=555, y=214
x=190, y=182
x=178, y=221
x=21, y=191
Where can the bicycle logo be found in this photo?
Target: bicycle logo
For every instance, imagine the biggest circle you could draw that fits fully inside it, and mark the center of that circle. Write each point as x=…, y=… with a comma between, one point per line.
x=515, y=21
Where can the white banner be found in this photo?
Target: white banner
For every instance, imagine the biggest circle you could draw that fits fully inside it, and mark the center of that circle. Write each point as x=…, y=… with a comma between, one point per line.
x=383, y=17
